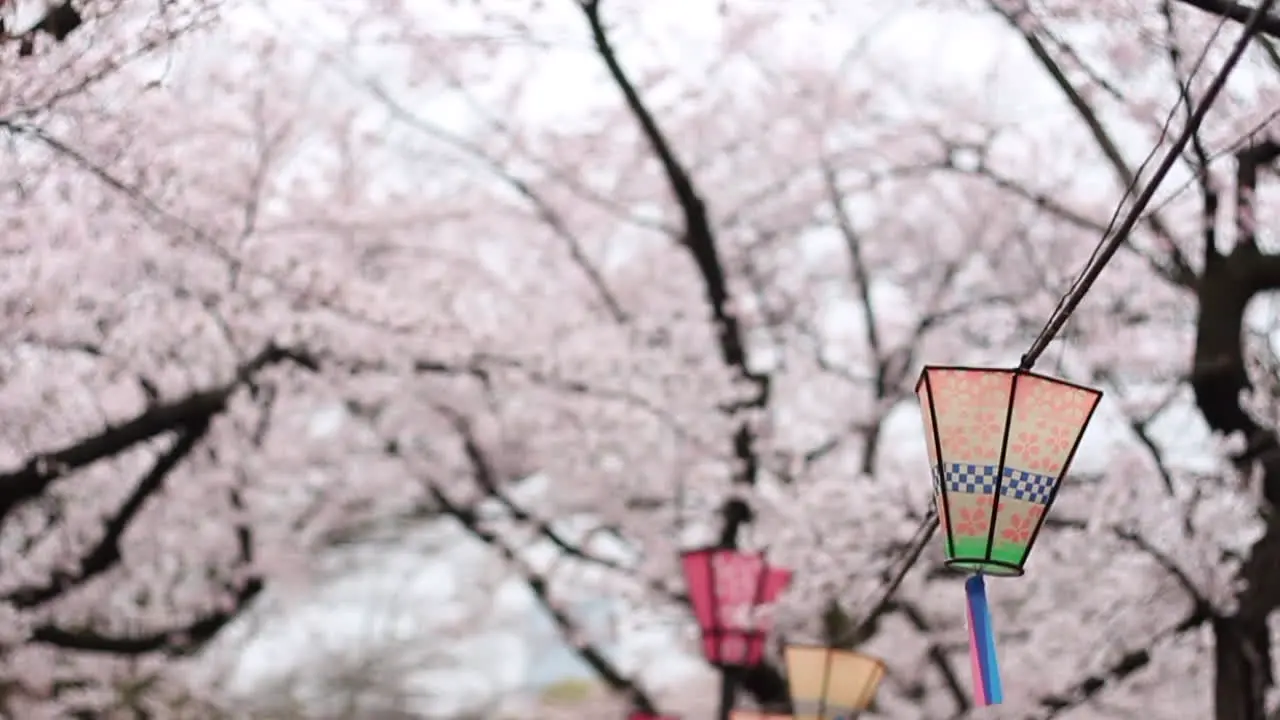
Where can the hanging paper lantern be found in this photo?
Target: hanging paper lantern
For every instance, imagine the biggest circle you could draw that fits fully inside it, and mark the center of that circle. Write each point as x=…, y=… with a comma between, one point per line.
x=999, y=444
x=830, y=683
x=733, y=594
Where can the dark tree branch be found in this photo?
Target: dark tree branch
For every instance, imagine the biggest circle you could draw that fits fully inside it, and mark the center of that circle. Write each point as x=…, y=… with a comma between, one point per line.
x=193, y=636
x=106, y=553
x=1208, y=191
x=182, y=640
x=937, y=656
x=485, y=474
x=700, y=240
x=1178, y=271
x=487, y=478
x=58, y=23
x=1269, y=25
x=1141, y=431
x=1117, y=672
x=592, y=656
x=883, y=385
x=43, y=469
x=1219, y=377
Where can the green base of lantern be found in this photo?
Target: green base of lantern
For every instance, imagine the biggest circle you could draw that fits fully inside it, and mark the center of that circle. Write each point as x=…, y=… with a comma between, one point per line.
x=971, y=555
x=986, y=567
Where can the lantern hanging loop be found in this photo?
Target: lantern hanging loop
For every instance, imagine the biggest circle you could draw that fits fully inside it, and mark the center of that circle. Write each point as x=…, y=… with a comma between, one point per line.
x=1114, y=236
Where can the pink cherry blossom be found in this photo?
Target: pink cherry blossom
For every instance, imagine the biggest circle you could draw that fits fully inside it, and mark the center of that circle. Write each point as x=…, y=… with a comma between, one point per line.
x=572, y=281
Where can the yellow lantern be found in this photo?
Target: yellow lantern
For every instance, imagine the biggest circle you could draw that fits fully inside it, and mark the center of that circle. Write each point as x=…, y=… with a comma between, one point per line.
x=831, y=684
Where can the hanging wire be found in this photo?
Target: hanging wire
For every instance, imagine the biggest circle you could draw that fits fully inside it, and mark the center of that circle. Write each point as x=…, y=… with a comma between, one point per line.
x=1242, y=140
x=1111, y=241
x=876, y=607
x=1132, y=185
x=1102, y=254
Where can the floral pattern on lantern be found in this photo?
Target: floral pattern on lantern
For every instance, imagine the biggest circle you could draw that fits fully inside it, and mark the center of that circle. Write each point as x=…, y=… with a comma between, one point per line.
x=733, y=595
x=999, y=443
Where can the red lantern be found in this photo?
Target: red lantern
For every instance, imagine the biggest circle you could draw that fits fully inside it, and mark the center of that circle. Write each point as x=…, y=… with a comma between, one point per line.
x=733, y=595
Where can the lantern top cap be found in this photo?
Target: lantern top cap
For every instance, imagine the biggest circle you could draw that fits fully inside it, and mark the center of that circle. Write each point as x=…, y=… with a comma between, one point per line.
x=924, y=373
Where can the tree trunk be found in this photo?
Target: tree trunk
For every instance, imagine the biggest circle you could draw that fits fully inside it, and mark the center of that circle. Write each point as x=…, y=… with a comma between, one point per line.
x=1242, y=652
x=1241, y=668
x=1242, y=655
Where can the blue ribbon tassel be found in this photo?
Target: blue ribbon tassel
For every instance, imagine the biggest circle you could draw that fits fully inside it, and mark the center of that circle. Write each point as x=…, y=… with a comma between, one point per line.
x=982, y=644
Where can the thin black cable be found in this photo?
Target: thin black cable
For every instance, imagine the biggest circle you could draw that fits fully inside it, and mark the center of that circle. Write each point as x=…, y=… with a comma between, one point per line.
x=1132, y=185
x=877, y=607
x=1241, y=141
x=1111, y=242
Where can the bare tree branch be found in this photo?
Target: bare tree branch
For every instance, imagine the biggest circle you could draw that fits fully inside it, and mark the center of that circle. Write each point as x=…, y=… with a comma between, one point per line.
x=1239, y=12
x=58, y=22
x=883, y=385
x=106, y=553
x=545, y=211
x=1177, y=270
x=44, y=468
x=937, y=655
x=181, y=640
x=486, y=477
x=592, y=656
x=1115, y=673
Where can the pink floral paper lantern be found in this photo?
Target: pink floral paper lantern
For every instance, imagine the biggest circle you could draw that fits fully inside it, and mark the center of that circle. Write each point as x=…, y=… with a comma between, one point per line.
x=733, y=594
x=999, y=443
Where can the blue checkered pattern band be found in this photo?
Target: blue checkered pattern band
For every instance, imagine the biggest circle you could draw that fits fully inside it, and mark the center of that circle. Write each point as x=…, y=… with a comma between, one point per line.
x=981, y=479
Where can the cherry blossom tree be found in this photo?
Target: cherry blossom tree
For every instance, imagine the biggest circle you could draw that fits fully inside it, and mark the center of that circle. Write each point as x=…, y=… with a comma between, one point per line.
x=278, y=276
x=945, y=151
